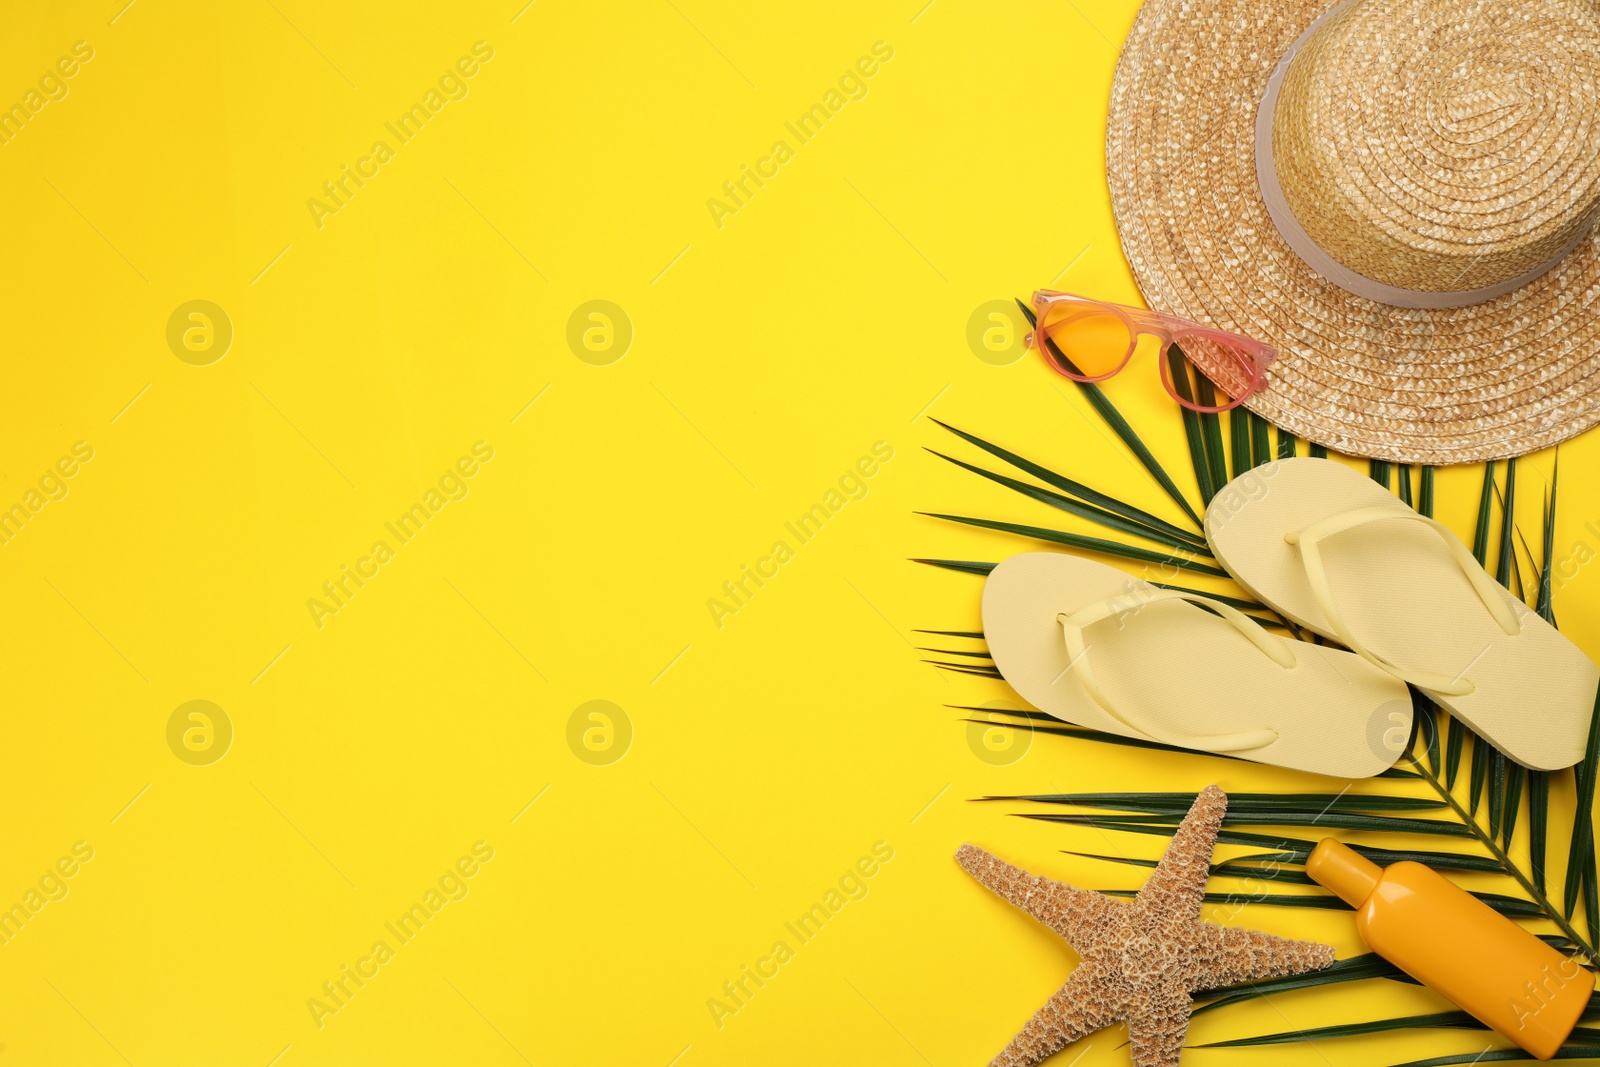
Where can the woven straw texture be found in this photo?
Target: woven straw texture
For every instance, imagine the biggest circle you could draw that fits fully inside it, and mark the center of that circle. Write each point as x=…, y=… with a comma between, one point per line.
x=1430, y=144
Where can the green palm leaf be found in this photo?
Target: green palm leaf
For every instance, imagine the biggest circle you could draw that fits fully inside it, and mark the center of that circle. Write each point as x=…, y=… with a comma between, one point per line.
x=1020, y=713
x=1481, y=822
x=1331, y=821
x=1355, y=969
x=1507, y=1055
x=1497, y=792
x=1285, y=444
x=1211, y=432
x=1239, y=431
x=1508, y=522
x=1480, y=772
x=1291, y=850
x=1480, y=536
x=1232, y=601
x=1084, y=542
x=1426, y=717
x=1580, y=857
x=1178, y=370
x=965, y=668
x=1110, y=519
x=1504, y=801
x=1539, y=781
x=1452, y=1020
x=1516, y=776
x=1320, y=901
x=1452, y=754
x=1074, y=488
x=1274, y=871
x=1546, y=588
x=1538, y=825
x=1238, y=803
x=1119, y=426
x=965, y=566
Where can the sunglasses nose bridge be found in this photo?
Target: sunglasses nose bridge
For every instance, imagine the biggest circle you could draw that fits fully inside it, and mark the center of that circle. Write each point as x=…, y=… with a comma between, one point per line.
x=1158, y=332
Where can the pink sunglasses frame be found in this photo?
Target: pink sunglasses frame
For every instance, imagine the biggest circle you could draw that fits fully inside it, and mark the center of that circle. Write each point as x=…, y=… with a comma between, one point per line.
x=1169, y=330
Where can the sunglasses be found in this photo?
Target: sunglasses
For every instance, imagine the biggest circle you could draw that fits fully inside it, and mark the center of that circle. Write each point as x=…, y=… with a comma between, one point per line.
x=1091, y=340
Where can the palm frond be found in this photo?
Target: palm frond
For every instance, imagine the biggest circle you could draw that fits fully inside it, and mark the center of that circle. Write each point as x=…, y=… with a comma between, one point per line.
x=1110, y=519
x=1178, y=370
x=1354, y=969
x=965, y=566
x=1580, y=857
x=1084, y=542
x=1451, y=1020
x=965, y=668
x=1239, y=804
x=1232, y=601
x=1260, y=444
x=1239, y=432
x=1120, y=427
x=1474, y=813
x=1368, y=823
x=1506, y=1055
x=1439, y=1020
x=1545, y=604
x=1539, y=781
x=1508, y=522
x=1211, y=432
x=1286, y=443
x=1480, y=536
x=1452, y=754
x=1074, y=488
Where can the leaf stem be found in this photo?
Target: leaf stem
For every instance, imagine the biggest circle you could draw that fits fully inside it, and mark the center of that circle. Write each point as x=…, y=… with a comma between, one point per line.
x=1551, y=912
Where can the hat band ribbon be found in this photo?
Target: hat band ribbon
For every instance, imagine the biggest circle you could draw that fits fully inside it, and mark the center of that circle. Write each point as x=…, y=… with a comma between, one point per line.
x=1320, y=261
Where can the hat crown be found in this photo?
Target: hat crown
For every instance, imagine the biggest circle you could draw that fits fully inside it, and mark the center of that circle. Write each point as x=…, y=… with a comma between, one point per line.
x=1444, y=145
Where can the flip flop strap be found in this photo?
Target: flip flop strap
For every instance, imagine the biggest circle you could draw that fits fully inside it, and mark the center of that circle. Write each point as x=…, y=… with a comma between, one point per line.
x=1074, y=625
x=1310, y=541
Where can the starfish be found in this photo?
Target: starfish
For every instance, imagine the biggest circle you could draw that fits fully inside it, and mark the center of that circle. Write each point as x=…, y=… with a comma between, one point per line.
x=1141, y=959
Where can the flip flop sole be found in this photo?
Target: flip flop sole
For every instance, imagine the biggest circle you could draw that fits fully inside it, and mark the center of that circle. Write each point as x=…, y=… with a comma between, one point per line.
x=1178, y=670
x=1406, y=600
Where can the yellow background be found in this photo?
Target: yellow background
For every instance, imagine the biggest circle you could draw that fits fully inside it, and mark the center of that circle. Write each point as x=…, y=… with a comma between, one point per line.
x=769, y=353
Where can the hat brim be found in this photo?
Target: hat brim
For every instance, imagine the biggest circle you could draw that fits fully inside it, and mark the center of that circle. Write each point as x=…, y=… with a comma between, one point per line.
x=1502, y=378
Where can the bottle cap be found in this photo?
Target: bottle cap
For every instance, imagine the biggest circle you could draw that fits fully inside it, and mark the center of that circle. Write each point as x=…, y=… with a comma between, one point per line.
x=1349, y=874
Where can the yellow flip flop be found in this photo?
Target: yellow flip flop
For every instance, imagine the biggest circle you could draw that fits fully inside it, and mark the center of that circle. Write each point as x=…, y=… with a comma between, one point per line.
x=1340, y=555
x=1091, y=645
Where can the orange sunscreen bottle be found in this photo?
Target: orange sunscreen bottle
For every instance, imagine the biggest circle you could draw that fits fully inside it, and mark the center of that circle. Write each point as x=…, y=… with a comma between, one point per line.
x=1457, y=946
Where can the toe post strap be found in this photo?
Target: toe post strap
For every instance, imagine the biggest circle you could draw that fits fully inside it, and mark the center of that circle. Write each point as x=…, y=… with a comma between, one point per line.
x=1309, y=542
x=1073, y=629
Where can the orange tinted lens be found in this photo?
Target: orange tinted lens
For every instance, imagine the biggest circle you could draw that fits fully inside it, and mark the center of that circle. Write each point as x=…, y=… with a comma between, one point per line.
x=1192, y=388
x=1096, y=342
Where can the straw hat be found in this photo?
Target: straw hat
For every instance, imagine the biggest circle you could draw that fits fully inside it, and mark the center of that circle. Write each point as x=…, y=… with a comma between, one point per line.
x=1398, y=194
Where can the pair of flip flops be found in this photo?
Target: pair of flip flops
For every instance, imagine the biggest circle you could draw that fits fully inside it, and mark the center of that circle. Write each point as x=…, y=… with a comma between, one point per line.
x=1335, y=554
